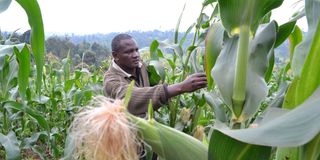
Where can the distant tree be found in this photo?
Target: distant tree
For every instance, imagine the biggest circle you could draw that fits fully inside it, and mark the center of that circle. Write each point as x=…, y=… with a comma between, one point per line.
x=101, y=52
x=25, y=37
x=82, y=47
x=89, y=57
x=99, y=44
x=59, y=46
x=53, y=60
x=76, y=59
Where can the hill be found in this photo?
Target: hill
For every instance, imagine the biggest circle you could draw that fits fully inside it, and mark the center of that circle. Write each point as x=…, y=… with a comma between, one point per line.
x=94, y=48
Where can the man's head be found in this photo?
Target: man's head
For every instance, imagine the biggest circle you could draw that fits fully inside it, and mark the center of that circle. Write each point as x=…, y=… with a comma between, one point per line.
x=125, y=52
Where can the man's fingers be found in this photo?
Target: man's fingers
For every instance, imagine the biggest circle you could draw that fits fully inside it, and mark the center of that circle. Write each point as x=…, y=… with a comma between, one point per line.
x=202, y=84
x=199, y=84
x=198, y=75
x=202, y=78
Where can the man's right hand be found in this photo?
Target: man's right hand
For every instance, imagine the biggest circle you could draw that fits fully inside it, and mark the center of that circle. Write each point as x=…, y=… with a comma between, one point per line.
x=194, y=82
x=190, y=84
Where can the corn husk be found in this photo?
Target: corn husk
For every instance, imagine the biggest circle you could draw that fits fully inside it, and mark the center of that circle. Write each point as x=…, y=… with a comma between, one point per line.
x=103, y=133
x=169, y=143
x=108, y=132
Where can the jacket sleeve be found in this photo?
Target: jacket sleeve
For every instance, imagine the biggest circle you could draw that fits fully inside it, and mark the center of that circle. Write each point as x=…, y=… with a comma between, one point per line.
x=140, y=96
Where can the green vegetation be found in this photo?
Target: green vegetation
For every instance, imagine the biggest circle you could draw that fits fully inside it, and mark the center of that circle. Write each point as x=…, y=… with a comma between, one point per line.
x=253, y=107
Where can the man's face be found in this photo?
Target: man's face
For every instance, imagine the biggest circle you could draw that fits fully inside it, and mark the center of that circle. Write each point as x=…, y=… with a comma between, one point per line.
x=127, y=57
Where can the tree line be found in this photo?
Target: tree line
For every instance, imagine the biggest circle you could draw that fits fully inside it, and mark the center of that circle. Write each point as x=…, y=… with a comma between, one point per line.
x=90, y=49
x=93, y=49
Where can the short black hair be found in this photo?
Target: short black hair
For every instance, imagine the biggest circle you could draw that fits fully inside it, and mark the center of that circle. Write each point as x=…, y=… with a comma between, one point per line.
x=115, y=44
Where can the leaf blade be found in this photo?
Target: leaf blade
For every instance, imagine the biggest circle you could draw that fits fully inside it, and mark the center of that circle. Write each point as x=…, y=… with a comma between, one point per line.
x=33, y=12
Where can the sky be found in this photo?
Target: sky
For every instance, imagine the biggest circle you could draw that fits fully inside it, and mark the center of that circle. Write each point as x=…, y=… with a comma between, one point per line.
x=105, y=16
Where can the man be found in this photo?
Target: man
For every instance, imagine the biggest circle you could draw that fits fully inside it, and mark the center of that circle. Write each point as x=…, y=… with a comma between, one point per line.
x=127, y=66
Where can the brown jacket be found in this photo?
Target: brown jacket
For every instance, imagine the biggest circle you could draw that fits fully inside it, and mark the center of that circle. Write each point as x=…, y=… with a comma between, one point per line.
x=116, y=84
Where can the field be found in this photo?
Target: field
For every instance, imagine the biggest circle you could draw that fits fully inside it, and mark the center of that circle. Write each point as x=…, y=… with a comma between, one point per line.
x=253, y=108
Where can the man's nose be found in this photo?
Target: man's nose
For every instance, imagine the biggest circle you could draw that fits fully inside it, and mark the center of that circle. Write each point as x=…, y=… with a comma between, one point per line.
x=135, y=54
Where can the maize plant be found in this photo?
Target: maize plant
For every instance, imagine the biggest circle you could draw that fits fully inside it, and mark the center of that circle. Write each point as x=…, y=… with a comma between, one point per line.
x=34, y=116
x=241, y=48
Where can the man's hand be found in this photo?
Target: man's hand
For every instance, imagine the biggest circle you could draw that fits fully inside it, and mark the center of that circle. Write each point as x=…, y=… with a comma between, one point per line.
x=190, y=84
x=194, y=82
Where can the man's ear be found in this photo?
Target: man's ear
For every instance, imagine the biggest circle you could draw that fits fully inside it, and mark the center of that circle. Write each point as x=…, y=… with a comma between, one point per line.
x=115, y=56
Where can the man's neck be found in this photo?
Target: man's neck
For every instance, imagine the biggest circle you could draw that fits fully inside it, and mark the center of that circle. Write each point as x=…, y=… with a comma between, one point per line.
x=131, y=71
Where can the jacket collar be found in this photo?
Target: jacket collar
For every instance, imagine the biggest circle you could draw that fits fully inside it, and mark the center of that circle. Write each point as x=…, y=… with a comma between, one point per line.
x=119, y=69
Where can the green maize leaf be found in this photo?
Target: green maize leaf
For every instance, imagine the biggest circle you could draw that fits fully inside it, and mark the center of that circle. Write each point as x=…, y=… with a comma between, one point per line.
x=223, y=147
x=169, y=143
x=284, y=32
x=260, y=51
x=41, y=99
x=213, y=46
x=150, y=110
x=159, y=69
x=303, y=85
x=217, y=106
x=154, y=77
x=33, y=113
x=312, y=11
x=8, y=50
x=186, y=33
x=153, y=50
x=4, y=4
x=269, y=114
x=39, y=150
x=199, y=101
x=289, y=100
x=223, y=70
x=68, y=85
x=299, y=14
x=37, y=36
x=291, y=153
x=163, y=45
x=176, y=32
x=280, y=94
x=266, y=18
x=294, y=128
x=310, y=80
x=215, y=12
x=8, y=69
x=29, y=142
x=202, y=35
x=256, y=88
x=171, y=63
x=207, y=2
x=195, y=60
x=23, y=59
x=312, y=149
x=128, y=94
x=68, y=148
x=294, y=39
x=268, y=74
x=82, y=97
x=11, y=145
x=310, y=75
x=235, y=13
